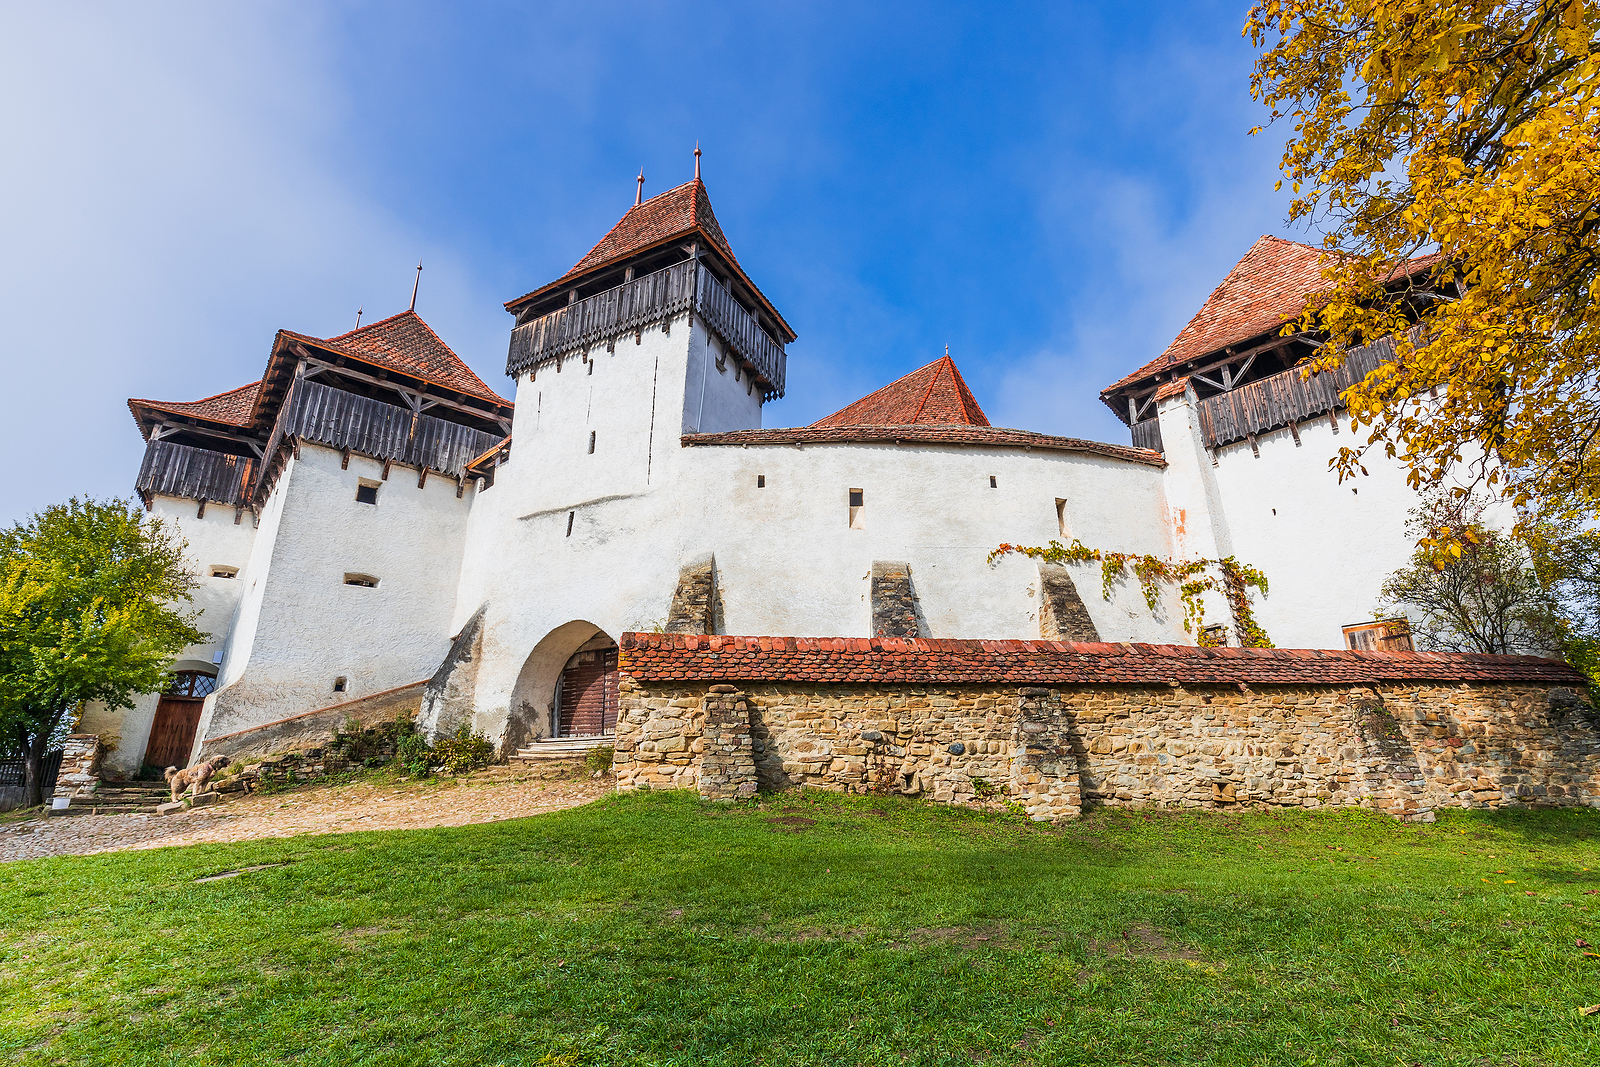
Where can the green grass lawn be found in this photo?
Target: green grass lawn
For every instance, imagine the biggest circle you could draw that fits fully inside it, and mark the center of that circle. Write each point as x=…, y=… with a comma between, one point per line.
x=656, y=929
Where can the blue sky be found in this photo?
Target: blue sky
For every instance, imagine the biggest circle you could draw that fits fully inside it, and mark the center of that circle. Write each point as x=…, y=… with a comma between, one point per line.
x=1051, y=189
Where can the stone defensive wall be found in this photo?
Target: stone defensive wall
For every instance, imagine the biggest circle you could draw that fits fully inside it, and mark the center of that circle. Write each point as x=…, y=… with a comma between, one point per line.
x=1060, y=727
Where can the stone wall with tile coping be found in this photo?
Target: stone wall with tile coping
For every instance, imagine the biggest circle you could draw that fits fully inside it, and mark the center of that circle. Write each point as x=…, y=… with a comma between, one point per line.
x=1402, y=748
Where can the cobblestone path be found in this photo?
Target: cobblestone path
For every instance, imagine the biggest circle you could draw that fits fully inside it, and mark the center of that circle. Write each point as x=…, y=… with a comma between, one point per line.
x=384, y=804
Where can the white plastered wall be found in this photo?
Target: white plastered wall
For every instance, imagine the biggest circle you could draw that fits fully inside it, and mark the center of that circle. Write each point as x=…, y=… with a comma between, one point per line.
x=642, y=506
x=213, y=540
x=1325, y=547
x=300, y=627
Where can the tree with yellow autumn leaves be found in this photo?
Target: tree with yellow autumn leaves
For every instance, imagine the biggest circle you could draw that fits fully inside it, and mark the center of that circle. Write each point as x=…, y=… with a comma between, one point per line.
x=1463, y=131
x=1448, y=151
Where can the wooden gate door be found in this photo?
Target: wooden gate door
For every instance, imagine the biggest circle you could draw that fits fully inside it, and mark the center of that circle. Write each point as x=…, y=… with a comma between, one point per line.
x=589, y=694
x=172, y=734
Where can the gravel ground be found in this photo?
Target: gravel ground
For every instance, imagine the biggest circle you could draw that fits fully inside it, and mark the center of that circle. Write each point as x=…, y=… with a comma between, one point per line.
x=379, y=803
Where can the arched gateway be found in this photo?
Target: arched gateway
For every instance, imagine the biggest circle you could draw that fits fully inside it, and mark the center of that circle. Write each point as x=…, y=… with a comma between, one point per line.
x=567, y=690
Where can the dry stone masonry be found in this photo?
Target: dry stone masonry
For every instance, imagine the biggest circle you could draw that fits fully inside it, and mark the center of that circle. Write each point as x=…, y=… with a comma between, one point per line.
x=895, y=612
x=1128, y=725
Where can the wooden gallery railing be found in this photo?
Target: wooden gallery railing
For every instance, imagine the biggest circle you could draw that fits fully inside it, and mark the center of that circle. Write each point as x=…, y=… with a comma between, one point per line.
x=323, y=415
x=1147, y=434
x=1286, y=397
x=646, y=301
x=195, y=473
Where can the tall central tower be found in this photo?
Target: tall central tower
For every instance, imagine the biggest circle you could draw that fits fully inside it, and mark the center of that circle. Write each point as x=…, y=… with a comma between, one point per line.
x=665, y=264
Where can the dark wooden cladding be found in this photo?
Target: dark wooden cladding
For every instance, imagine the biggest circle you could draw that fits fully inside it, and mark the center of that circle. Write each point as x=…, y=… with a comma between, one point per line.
x=1285, y=397
x=1147, y=434
x=195, y=473
x=740, y=330
x=646, y=301
x=589, y=695
x=320, y=414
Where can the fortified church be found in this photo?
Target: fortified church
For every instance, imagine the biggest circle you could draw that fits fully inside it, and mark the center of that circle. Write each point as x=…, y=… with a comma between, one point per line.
x=370, y=515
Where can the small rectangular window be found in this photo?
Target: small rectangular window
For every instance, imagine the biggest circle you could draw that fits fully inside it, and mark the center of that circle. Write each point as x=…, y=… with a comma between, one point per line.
x=367, y=492
x=224, y=572
x=1061, y=517
x=339, y=684
x=365, y=581
x=591, y=442
x=857, y=509
x=992, y=483
x=761, y=481
x=857, y=498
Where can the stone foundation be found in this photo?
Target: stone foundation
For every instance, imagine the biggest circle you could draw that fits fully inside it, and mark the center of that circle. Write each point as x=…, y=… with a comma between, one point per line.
x=1399, y=746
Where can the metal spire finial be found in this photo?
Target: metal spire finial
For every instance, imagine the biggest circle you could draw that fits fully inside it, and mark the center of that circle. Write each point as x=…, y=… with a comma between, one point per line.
x=415, y=284
x=638, y=198
x=697, y=160
x=359, y=310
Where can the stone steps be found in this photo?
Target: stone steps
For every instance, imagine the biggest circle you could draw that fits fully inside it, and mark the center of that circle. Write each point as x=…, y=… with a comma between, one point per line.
x=122, y=798
x=561, y=748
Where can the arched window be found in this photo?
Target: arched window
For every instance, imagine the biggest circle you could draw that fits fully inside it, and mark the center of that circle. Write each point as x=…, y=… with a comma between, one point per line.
x=192, y=684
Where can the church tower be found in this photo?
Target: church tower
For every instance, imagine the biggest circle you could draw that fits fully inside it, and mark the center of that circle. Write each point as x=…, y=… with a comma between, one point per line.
x=666, y=264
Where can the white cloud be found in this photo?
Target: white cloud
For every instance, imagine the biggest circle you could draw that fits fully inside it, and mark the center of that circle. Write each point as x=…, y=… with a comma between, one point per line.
x=176, y=177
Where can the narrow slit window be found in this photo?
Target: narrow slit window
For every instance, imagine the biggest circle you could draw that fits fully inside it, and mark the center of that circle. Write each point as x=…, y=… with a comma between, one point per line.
x=761, y=481
x=367, y=492
x=993, y=484
x=858, y=500
x=224, y=572
x=365, y=581
x=591, y=442
x=570, y=516
x=1061, y=516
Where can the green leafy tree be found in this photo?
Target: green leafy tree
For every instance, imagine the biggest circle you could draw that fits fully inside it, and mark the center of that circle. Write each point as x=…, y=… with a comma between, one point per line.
x=1489, y=598
x=89, y=610
x=1568, y=565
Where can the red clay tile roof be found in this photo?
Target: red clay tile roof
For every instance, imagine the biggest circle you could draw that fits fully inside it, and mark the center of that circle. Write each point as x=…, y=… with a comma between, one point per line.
x=674, y=213
x=1264, y=290
x=932, y=394
x=923, y=433
x=856, y=661
x=231, y=408
x=406, y=344
x=665, y=217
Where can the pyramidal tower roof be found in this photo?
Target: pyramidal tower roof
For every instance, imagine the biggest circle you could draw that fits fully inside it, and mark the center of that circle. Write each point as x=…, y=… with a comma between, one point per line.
x=653, y=226
x=673, y=214
x=406, y=344
x=935, y=394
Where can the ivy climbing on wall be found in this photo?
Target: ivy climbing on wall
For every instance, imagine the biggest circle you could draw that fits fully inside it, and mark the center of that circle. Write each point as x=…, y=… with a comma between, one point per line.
x=1193, y=577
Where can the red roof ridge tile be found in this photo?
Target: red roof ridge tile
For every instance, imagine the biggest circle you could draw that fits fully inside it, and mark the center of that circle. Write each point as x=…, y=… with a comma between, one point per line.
x=855, y=660
x=939, y=434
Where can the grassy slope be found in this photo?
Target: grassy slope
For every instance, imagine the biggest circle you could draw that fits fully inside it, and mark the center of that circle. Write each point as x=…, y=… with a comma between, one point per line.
x=653, y=929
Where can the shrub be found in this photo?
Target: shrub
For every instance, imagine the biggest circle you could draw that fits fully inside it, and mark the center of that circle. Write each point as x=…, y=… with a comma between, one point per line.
x=599, y=760
x=415, y=753
x=983, y=788
x=463, y=753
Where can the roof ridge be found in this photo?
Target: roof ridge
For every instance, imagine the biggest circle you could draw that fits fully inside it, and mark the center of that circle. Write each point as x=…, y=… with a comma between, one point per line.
x=202, y=400
x=932, y=381
x=375, y=324
x=388, y=350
